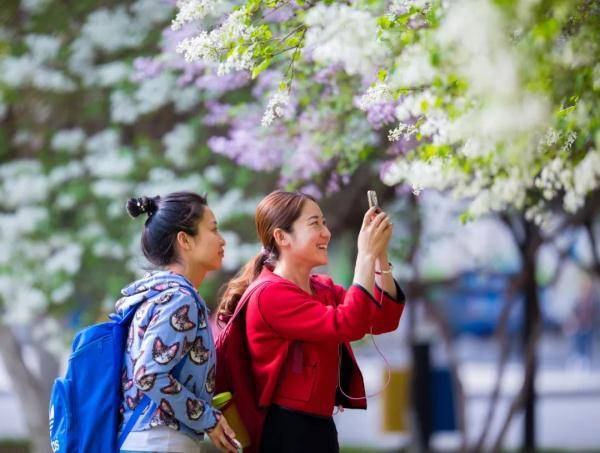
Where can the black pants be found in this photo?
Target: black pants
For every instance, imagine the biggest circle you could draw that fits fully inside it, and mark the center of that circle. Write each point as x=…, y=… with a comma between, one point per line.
x=288, y=431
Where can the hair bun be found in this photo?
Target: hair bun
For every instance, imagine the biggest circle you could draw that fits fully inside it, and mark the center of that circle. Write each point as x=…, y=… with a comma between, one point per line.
x=141, y=205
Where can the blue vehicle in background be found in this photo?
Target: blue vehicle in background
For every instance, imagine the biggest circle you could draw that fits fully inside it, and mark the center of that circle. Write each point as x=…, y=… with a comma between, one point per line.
x=474, y=304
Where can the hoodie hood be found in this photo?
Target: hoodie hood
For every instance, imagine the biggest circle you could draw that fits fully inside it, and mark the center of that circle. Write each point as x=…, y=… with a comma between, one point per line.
x=152, y=283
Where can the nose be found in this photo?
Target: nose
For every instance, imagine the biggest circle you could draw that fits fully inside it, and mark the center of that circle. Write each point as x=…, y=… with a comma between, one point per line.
x=326, y=233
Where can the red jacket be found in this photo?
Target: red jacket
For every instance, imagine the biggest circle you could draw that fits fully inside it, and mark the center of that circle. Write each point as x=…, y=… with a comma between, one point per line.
x=294, y=342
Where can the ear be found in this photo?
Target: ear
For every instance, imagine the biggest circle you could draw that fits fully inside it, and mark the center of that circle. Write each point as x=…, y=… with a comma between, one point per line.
x=183, y=241
x=281, y=237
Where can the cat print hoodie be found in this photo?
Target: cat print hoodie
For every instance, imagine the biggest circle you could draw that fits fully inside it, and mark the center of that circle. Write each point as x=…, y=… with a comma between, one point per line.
x=169, y=326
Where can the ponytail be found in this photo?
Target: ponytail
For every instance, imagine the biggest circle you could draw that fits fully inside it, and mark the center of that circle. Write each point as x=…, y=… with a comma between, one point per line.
x=238, y=285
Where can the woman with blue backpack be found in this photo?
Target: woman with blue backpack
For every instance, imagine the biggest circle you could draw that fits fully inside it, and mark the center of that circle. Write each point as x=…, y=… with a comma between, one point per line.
x=168, y=373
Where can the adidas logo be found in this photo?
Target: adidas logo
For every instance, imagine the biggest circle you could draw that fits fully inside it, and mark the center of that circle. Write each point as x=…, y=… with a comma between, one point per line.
x=51, y=417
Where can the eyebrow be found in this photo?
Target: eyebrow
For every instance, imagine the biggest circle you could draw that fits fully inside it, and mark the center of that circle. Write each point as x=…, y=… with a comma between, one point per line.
x=314, y=217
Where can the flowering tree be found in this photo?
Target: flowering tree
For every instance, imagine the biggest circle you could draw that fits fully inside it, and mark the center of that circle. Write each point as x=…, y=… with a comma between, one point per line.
x=87, y=121
x=495, y=102
x=501, y=110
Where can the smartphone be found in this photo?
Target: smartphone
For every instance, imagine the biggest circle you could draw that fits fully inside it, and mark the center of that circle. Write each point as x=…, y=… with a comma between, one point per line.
x=372, y=198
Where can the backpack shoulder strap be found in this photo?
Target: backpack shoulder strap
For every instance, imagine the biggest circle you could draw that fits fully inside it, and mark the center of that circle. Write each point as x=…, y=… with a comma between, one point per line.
x=244, y=300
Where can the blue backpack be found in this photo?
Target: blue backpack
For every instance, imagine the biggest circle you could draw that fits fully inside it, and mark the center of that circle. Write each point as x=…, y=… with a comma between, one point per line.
x=84, y=405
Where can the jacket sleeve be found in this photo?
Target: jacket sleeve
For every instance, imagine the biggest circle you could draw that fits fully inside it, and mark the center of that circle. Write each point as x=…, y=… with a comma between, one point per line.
x=388, y=318
x=295, y=315
x=165, y=342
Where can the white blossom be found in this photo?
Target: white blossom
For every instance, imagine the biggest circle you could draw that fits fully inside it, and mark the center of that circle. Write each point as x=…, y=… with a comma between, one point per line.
x=66, y=258
x=24, y=305
x=276, y=107
x=81, y=59
x=376, y=94
x=586, y=177
x=343, y=34
x=402, y=131
x=185, y=99
x=402, y=6
x=34, y=6
x=61, y=174
x=415, y=105
x=106, y=157
x=112, y=30
x=192, y=10
x=22, y=221
x=68, y=139
x=123, y=108
x=25, y=71
x=210, y=47
x=154, y=93
x=149, y=13
x=214, y=175
x=414, y=68
x=551, y=137
x=42, y=48
x=110, y=74
x=22, y=182
x=178, y=143
x=113, y=189
x=62, y=293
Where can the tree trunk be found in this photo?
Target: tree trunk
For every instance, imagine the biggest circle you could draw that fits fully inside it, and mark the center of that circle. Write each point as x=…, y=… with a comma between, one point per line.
x=28, y=388
x=531, y=318
x=529, y=239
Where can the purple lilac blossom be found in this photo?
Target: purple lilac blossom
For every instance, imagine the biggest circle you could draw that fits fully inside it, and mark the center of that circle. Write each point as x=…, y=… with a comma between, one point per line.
x=402, y=190
x=308, y=160
x=266, y=82
x=218, y=85
x=378, y=115
x=326, y=75
x=312, y=190
x=217, y=113
x=279, y=14
x=146, y=68
x=248, y=144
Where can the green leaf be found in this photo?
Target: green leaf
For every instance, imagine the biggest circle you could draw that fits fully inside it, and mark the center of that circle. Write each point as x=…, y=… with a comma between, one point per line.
x=260, y=67
x=564, y=112
x=292, y=41
x=385, y=22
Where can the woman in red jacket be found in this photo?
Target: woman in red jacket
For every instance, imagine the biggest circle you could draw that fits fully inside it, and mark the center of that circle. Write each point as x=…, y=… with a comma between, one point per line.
x=299, y=325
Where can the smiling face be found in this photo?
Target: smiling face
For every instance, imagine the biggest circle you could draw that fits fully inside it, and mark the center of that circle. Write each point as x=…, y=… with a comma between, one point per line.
x=308, y=239
x=207, y=246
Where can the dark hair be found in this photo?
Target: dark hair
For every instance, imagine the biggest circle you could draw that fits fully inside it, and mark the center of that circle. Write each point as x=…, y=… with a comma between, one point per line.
x=279, y=209
x=167, y=216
